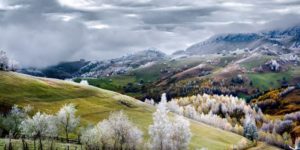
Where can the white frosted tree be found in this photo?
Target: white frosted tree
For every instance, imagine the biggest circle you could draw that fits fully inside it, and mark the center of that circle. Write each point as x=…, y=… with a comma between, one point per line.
x=181, y=133
x=160, y=130
x=122, y=132
x=67, y=120
x=13, y=65
x=39, y=126
x=174, y=107
x=166, y=134
x=13, y=119
x=91, y=138
x=116, y=132
x=3, y=61
x=84, y=82
x=149, y=101
x=250, y=129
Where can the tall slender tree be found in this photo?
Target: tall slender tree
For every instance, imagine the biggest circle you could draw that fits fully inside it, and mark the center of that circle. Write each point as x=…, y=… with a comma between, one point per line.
x=67, y=120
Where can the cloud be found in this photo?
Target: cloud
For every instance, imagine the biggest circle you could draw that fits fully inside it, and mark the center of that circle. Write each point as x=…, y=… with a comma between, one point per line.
x=40, y=33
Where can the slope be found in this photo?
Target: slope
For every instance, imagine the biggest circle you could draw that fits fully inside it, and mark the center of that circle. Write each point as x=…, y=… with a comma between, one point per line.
x=95, y=104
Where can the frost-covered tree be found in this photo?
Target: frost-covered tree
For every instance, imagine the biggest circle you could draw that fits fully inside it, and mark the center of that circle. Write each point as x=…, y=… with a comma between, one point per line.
x=122, y=131
x=174, y=107
x=250, y=129
x=13, y=65
x=180, y=134
x=91, y=138
x=84, y=82
x=166, y=134
x=190, y=112
x=39, y=126
x=116, y=132
x=160, y=130
x=149, y=101
x=67, y=120
x=13, y=119
x=3, y=61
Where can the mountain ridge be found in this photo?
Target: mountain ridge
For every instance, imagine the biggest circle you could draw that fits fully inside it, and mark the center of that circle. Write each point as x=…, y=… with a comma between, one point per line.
x=289, y=38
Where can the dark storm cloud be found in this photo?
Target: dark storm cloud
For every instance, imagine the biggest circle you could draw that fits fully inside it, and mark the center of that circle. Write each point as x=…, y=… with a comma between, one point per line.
x=44, y=32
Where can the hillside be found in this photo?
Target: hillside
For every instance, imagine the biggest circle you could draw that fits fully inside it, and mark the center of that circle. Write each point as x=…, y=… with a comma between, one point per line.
x=240, y=64
x=95, y=104
x=83, y=68
x=279, y=101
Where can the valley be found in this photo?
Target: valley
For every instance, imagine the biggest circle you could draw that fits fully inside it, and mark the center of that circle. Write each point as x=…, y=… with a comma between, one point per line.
x=225, y=87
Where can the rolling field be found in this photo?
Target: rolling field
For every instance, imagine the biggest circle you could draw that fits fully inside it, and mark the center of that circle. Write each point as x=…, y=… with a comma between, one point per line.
x=95, y=104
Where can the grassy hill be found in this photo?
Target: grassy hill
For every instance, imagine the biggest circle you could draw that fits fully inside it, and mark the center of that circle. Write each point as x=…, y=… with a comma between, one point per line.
x=95, y=104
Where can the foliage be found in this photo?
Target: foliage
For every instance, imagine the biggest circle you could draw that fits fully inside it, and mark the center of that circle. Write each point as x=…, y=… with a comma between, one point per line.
x=66, y=119
x=250, y=129
x=7, y=64
x=94, y=104
x=39, y=126
x=13, y=120
x=220, y=111
x=115, y=133
x=167, y=134
x=3, y=61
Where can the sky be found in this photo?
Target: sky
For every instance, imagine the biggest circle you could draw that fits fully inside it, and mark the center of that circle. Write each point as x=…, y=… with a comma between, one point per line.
x=39, y=33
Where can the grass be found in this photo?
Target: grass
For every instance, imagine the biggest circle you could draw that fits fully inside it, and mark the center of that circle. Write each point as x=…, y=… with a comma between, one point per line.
x=267, y=81
x=95, y=104
x=255, y=62
x=17, y=144
x=114, y=83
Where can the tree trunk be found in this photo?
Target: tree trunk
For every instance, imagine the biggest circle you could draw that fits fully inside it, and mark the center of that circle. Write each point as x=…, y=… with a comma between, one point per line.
x=34, y=146
x=23, y=144
x=51, y=145
x=67, y=135
x=41, y=144
x=9, y=144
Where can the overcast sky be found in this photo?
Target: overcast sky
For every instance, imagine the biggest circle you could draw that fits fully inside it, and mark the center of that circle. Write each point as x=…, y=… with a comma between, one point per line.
x=44, y=32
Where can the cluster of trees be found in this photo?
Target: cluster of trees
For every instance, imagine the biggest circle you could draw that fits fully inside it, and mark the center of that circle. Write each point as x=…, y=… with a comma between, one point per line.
x=225, y=112
x=116, y=132
x=279, y=132
x=226, y=109
x=17, y=123
x=235, y=115
x=6, y=63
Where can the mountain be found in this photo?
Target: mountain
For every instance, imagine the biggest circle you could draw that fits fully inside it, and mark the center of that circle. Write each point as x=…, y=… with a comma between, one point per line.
x=95, y=104
x=244, y=65
x=252, y=64
x=121, y=65
x=82, y=68
x=285, y=38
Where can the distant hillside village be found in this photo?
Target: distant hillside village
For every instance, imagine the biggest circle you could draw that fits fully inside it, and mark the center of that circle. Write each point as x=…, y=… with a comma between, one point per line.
x=7, y=64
